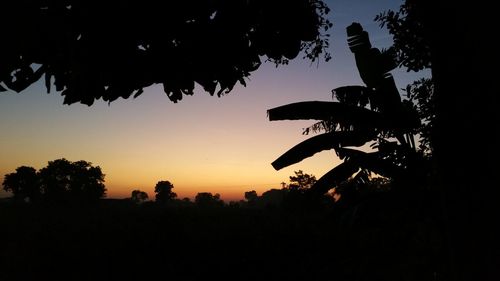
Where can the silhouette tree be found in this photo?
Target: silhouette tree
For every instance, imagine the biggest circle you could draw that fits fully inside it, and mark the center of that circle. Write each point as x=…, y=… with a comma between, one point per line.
x=63, y=180
x=301, y=181
x=138, y=196
x=389, y=122
x=164, y=193
x=23, y=184
x=251, y=197
x=421, y=93
x=132, y=45
x=272, y=198
x=207, y=199
x=410, y=43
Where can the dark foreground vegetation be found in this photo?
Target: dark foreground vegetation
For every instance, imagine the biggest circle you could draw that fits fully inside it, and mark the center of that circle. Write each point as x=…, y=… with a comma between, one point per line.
x=384, y=236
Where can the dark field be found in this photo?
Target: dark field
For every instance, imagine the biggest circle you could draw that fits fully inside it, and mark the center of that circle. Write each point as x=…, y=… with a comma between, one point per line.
x=118, y=240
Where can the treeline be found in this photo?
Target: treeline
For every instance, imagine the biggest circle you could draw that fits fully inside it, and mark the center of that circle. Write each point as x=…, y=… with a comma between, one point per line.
x=61, y=181
x=293, y=195
x=66, y=182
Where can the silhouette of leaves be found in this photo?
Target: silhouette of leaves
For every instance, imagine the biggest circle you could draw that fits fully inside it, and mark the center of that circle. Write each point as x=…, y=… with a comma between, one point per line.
x=335, y=176
x=108, y=50
x=313, y=145
x=349, y=122
x=374, y=161
x=347, y=116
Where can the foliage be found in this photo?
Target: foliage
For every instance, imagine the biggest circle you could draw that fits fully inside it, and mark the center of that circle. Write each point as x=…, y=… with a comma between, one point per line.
x=410, y=43
x=90, y=50
x=373, y=113
x=207, y=199
x=272, y=198
x=164, y=193
x=63, y=180
x=251, y=197
x=23, y=184
x=301, y=181
x=60, y=181
x=421, y=93
x=413, y=51
x=138, y=196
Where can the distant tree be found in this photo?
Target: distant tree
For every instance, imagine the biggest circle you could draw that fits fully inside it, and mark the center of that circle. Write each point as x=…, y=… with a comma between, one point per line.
x=301, y=181
x=164, y=193
x=23, y=184
x=235, y=204
x=63, y=180
x=138, y=196
x=207, y=199
x=251, y=195
x=55, y=179
x=272, y=198
x=150, y=41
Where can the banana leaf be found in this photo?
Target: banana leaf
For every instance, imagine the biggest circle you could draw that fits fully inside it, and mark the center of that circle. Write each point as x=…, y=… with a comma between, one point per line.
x=373, y=161
x=344, y=114
x=334, y=177
x=354, y=95
x=311, y=146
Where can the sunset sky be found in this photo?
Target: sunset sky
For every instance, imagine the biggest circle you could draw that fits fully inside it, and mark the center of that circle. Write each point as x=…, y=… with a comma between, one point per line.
x=201, y=144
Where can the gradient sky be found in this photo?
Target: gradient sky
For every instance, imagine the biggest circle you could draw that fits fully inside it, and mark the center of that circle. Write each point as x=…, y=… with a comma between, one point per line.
x=201, y=144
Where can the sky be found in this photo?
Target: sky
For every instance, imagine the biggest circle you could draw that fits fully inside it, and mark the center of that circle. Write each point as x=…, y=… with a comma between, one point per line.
x=201, y=144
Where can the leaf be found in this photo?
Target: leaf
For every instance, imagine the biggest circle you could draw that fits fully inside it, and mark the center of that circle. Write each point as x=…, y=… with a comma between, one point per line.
x=138, y=93
x=343, y=114
x=353, y=95
x=25, y=77
x=48, y=76
x=311, y=146
x=357, y=38
x=334, y=177
x=388, y=59
x=373, y=161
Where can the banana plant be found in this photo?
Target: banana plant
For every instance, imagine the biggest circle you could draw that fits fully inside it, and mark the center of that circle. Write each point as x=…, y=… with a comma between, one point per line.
x=371, y=113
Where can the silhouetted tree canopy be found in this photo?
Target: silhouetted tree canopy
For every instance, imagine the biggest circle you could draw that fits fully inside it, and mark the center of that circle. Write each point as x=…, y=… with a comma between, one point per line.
x=301, y=181
x=164, y=193
x=23, y=184
x=421, y=93
x=207, y=199
x=63, y=180
x=411, y=44
x=251, y=196
x=60, y=181
x=104, y=49
x=412, y=49
x=138, y=196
